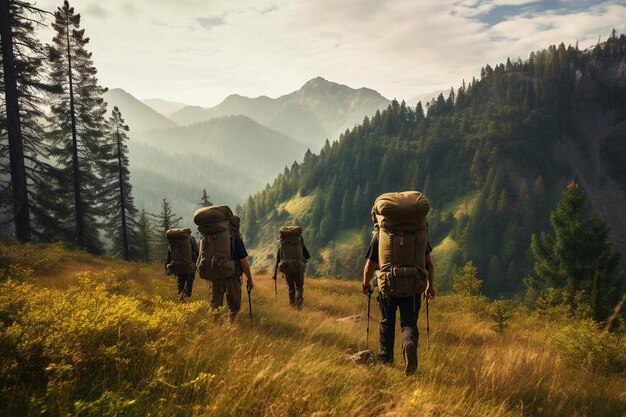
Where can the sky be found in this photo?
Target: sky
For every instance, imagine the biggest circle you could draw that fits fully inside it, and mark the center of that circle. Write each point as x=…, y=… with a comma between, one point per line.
x=200, y=51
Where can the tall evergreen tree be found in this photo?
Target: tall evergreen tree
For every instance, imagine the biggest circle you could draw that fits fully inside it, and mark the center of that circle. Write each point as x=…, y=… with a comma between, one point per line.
x=166, y=219
x=77, y=127
x=145, y=234
x=24, y=169
x=19, y=192
x=577, y=256
x=117, y=196
x=204, y=200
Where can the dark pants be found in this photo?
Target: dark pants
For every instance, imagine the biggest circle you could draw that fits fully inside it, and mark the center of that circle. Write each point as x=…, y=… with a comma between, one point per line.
x=295, y=282
x=409, y=309
x=232, y=289
x=185, y=284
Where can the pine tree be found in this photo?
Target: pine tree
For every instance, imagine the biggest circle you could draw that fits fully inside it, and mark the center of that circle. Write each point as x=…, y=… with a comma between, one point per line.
x=77, y=127
x=23, y=152
x=21, y=214
x=577, y=256
x=144, y=239
x=466, y=280
x=118, y=202
x=204, y=200
x=166, y=219
x=248, y=221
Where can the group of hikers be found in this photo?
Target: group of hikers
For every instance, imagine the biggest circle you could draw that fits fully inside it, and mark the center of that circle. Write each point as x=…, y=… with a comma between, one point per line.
x=398, y=262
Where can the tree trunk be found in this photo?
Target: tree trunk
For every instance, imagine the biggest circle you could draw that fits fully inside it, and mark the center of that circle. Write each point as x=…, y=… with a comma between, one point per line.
x=122, y=199
x=78, y=204
x=21, y=210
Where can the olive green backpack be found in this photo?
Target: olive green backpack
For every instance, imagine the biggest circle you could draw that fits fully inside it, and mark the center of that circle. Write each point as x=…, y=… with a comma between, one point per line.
x=215, y=261
x=402, y=241
x=179, y=244
x=291, y=250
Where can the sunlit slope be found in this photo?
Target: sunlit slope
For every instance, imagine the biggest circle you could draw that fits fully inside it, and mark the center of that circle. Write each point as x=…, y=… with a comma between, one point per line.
x=94, y=336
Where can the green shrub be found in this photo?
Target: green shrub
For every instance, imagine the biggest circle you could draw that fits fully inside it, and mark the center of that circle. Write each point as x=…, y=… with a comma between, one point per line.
x=500, y=312
x=466, y=280
x=583, y=345
x=39, y=258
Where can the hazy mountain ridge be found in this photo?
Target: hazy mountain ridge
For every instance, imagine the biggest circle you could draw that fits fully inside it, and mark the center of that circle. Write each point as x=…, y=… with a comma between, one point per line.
x=164, y=107
x=235, y=141
x=136, y=114
x=181, y=178
x=320, y=109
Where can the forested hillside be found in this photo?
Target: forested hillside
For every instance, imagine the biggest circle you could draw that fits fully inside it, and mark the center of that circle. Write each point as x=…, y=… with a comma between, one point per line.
x=493, y=158
x=182, y=177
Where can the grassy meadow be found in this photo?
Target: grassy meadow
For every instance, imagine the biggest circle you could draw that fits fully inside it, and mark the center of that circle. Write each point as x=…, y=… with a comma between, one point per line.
x=88, y=336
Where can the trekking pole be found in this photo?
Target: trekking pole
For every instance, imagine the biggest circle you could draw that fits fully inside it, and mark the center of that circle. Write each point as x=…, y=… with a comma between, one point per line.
x=369, y=303
x=427, y=326
x=275, y=290
x=249, y=302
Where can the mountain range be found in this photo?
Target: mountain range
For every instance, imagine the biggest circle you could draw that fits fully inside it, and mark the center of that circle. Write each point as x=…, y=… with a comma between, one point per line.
x=319, y=110
x=165, y=107
x=252, y=139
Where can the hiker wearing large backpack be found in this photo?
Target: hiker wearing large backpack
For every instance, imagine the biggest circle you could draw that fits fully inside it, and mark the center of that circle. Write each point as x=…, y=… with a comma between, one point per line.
x=291, y=260
x=223, y=255
x=400, y=248
x=182, y=254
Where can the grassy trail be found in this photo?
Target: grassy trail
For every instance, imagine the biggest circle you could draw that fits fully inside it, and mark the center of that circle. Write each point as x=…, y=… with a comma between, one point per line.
x=130, y=349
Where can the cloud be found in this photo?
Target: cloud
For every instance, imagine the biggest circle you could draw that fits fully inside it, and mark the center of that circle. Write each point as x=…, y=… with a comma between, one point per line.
x=96, y=11
x=269, y=9
x=210, y=22
x=401, y=48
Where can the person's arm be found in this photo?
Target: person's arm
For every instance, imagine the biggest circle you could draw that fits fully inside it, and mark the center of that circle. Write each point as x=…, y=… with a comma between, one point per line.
x=245, y=267
x=368, y=274
x=169, y=257
x=430, y=267
x=305, y=252
x=195, y=251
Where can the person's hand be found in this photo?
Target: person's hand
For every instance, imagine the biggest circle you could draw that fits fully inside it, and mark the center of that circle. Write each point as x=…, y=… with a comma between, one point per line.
x=250, y=284
x=430, y=292
x=367, y=288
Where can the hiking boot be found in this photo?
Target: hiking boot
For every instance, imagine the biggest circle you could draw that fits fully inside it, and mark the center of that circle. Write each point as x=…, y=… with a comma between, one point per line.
x=410, y=358
x=385, y=360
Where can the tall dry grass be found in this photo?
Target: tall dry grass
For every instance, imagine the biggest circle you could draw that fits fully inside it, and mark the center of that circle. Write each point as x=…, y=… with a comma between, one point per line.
x=100, y=337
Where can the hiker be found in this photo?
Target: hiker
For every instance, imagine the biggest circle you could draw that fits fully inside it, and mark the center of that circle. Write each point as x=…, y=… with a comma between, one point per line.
x=223, y=256
x=400, y=248
x=291, y=260
x=182, y=254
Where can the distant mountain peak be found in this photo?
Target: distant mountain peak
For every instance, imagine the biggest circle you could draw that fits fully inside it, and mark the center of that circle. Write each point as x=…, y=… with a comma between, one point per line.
x=321, y=82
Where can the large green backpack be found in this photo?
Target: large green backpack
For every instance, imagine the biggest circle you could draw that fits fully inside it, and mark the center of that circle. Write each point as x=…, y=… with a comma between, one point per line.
x=402, y=240
x=181, y=259
x=291, y=250
x=215, y=261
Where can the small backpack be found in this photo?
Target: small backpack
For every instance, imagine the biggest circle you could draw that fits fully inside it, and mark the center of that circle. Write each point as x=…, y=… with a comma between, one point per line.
x=181, y=257
x=402, y=240
x=215, y=261
x=291, y=250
